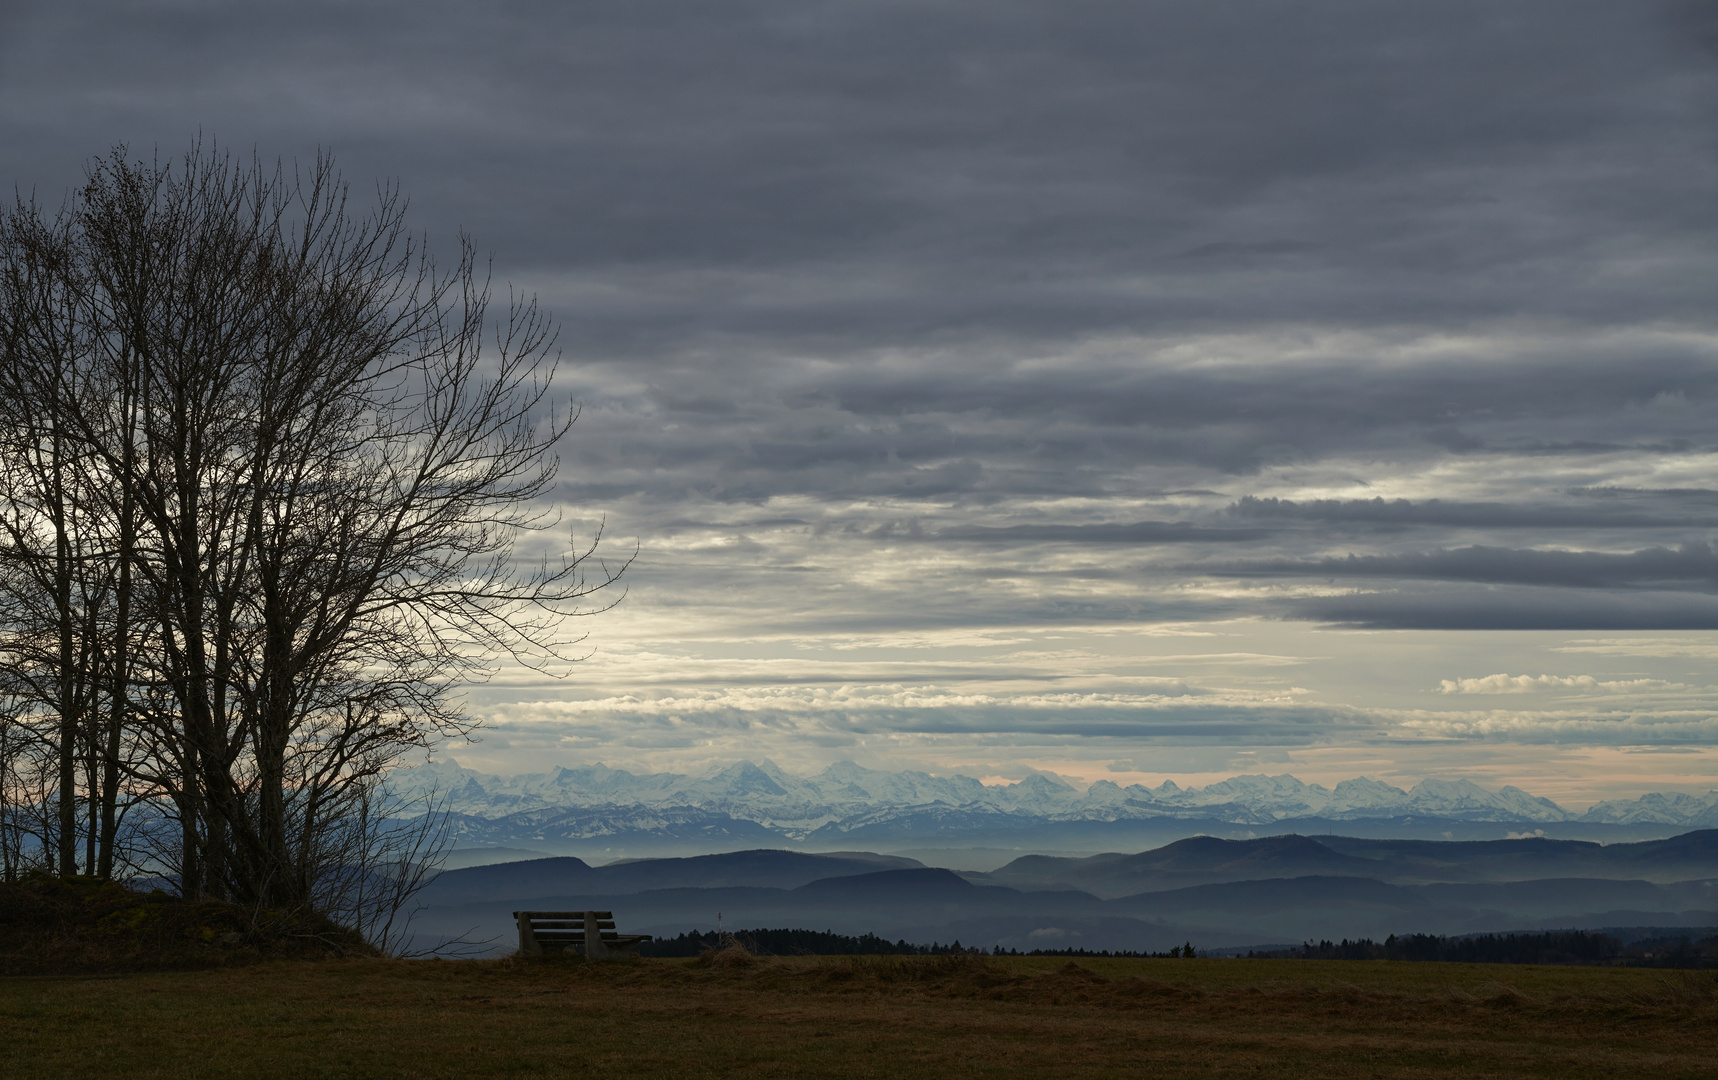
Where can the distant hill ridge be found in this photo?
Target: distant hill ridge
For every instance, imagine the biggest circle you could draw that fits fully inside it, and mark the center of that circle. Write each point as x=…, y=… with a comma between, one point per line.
x=760, y=802
x=756, y=869
x=1220, y=893
x=1202, y=860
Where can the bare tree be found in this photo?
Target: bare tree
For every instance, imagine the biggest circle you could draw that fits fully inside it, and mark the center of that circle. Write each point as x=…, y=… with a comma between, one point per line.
x=278, y=460
x=46, y=532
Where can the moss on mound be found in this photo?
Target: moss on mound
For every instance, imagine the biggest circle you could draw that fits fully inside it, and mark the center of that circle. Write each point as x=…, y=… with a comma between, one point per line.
x=51, y=925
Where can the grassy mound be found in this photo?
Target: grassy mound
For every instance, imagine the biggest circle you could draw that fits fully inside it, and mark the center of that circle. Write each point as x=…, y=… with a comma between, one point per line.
x=53, y=926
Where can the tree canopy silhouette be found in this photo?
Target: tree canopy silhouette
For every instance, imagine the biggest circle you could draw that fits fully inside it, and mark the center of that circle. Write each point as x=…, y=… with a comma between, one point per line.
x=265, y=467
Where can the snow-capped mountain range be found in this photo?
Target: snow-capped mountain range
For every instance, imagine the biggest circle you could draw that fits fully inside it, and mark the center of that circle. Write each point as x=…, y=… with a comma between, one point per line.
x=845, y=797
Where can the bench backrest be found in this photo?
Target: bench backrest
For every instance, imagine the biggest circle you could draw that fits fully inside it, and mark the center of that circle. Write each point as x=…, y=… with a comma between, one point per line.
x=557, y=920
x=560, y=929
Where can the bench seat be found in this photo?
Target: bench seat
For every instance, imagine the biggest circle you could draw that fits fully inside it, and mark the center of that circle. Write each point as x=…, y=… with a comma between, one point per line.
x=591, y=931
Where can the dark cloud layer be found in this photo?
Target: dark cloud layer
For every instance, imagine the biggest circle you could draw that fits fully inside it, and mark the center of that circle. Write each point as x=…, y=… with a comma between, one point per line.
x=856, y=174
x=1402, y=514
x=1512, y=609
x=1101, y=304
x=1654, y=588
x=1692, y=566
x=1140, y=532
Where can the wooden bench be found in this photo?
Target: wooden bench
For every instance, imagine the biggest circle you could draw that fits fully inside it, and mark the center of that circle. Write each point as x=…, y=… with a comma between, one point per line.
x=553, y=931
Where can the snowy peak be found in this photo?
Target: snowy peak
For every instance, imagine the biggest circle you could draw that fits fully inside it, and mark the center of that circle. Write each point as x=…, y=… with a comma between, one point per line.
x=1279, y=796
x=739, y=780
x=1363, y=796
x=844, y=779
x=846, y=793
x=1106, y=793
x=1658, y=809
x=1464, y=800
x=1035, y=794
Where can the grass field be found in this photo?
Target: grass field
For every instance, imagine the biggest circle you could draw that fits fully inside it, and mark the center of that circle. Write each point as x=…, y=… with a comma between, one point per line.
x=883, y=1017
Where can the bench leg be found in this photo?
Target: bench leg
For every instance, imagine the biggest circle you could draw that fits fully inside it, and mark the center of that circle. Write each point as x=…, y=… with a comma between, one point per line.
x=528, y=944
x=595, y=948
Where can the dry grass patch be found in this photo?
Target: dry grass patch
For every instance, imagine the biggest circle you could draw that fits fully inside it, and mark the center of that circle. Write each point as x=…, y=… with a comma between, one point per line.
x=733, y=1014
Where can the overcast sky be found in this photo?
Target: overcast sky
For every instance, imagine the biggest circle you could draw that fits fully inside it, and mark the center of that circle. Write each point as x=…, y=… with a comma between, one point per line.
x=1125, y=390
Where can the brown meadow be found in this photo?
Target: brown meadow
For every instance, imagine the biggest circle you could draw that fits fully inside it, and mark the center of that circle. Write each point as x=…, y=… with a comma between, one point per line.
x=732, y=1014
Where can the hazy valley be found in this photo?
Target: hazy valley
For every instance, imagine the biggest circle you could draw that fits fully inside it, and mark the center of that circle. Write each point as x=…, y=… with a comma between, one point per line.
x=1222, y=894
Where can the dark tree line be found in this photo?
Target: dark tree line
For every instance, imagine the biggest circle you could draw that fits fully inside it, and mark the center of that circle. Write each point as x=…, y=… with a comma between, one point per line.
x=1176, y=952
x=1551, y=947
x=793, y=942
x=263, y=464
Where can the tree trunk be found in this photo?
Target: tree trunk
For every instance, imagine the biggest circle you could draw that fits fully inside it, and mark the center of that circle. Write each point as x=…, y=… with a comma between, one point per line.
x=118, y=692
x=68, y=726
